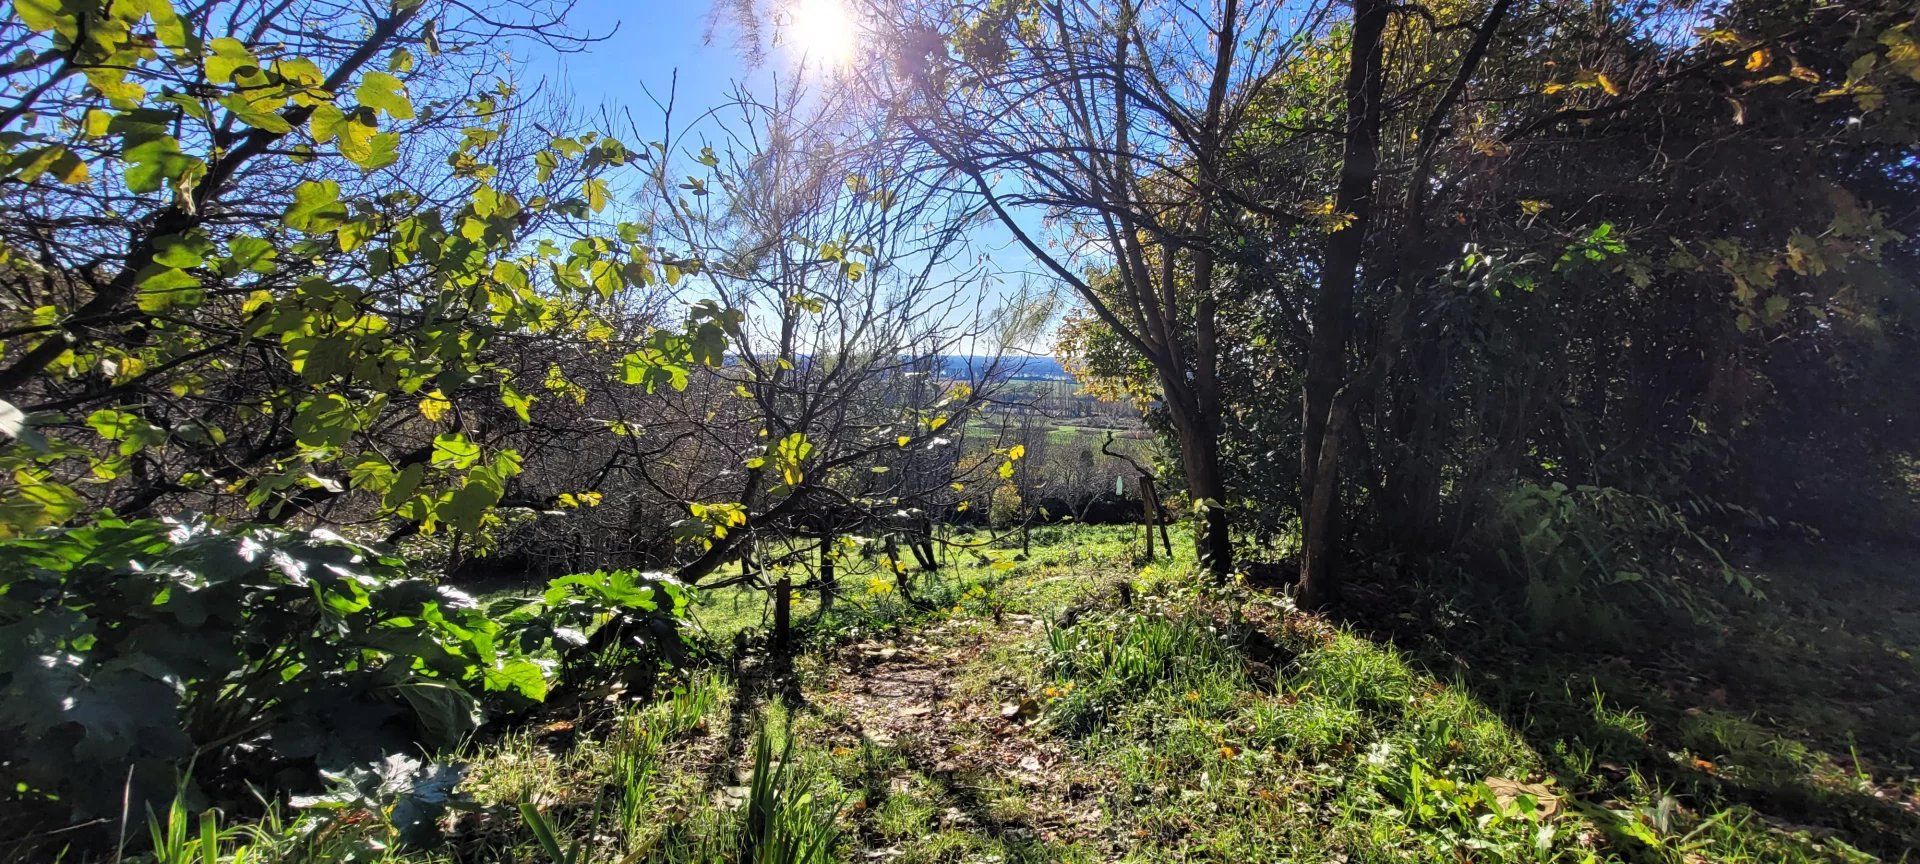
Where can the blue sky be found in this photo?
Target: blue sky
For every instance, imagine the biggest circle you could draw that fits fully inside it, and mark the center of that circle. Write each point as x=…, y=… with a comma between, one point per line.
x=646, y=43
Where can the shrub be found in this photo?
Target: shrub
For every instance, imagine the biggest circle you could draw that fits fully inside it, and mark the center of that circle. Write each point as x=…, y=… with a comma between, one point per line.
x=1586, y=555
x=131, y=650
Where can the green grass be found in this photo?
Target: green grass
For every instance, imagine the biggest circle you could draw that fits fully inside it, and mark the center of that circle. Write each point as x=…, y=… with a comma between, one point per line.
x=1210, y=723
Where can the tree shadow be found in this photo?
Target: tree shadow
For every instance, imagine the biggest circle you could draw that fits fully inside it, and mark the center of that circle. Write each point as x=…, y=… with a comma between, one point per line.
x=1018, y=840
x=1799, y=706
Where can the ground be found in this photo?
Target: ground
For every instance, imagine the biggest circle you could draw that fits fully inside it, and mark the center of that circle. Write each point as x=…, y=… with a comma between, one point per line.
x=1032, y=709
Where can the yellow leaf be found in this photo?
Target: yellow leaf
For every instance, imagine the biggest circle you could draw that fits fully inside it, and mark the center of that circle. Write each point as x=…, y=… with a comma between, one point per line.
x=1016, y=451
x=904, y=440
x=69, y=169
x=1607, y=84
x=435, y=406
x=1758, y=60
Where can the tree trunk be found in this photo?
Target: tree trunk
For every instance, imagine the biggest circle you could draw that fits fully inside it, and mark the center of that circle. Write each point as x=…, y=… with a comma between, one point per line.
x=1159, y=516
x=923, y=545
x=1327, y=350
x=1200, y=455
x=1146, y=514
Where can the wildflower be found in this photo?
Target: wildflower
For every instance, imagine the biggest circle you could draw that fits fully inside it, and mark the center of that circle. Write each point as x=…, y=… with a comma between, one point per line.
x=877, y=587
x=1379, y=754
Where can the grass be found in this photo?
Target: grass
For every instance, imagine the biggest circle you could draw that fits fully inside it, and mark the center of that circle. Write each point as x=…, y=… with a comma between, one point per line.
x=1026, y=709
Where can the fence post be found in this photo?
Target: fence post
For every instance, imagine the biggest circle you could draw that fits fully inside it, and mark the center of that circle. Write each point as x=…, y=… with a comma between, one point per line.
x=828, y=586
x=783, y=613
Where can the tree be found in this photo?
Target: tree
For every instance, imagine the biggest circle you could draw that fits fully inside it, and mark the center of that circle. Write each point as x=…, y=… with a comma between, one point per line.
x=839, y=408
x=1129, y=124
x=256, y=257
x=1096, y=134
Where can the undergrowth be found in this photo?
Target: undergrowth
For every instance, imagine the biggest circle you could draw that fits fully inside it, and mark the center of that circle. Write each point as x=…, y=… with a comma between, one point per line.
x=1194, y=722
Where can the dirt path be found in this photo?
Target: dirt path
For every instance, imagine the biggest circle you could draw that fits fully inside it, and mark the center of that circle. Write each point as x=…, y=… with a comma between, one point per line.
x=923, y=698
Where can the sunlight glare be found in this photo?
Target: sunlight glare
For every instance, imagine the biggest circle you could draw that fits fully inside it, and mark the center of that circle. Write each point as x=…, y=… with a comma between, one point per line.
x=821, y=33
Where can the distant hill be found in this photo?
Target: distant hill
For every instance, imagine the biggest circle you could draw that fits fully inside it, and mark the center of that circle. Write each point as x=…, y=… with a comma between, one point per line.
x=1017, y=367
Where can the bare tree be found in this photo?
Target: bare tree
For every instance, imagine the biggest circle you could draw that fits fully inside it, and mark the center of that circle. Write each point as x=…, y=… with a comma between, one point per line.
x=839, y=407
x=1095, y=133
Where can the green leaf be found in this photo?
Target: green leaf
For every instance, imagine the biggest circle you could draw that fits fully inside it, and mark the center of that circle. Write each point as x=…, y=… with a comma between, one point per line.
x=182, y=251
x=404, y=484
x=651, y=368
x=316, y=207
x=154, y=160
x=44, y=16
x=163, y=287
x=133, y=433
x=453, y=450
x=385, y=93
x=35, y=500
x=354, y=134
x=383, y=149
x=326, y=421
x=446, y=714
x=252, y=254
x=516, y=402
x=524, y=677
x=228, y=57
x=468, y=506
x=265, y=116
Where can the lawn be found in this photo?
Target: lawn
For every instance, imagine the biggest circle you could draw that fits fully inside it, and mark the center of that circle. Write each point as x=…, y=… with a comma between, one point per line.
x=1077, y=704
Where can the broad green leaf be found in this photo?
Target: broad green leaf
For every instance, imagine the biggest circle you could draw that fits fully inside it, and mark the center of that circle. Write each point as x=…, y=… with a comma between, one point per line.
x=435, y=406
x=325, y=421
x=49, y=16
x=651, y=368
x=316, y=207
x=446, y=714
x=153, y=161
x=182, y=250
x=385, y=93
x=252, y=254
x=163, y=287
x=263, y=116
x=453, y=450
x=226, y=58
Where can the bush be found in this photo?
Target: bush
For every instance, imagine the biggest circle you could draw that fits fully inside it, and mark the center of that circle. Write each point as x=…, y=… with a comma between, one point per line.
x=130, y=651
x=1587, y=555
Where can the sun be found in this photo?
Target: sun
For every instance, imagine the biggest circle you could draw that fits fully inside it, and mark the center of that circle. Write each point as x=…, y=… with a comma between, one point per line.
x=821, y=33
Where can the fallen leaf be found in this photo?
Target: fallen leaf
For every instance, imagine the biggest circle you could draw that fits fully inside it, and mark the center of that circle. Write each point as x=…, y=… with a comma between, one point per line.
x=1507, y=791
